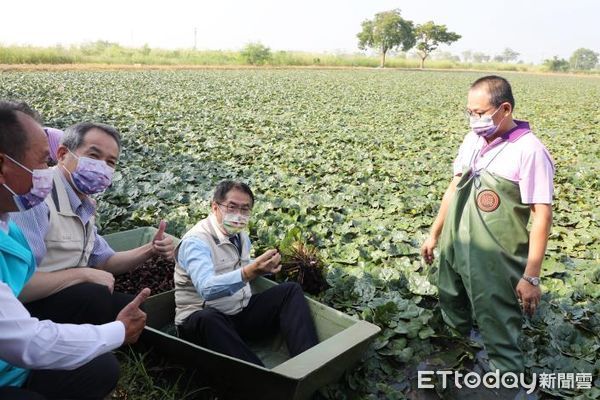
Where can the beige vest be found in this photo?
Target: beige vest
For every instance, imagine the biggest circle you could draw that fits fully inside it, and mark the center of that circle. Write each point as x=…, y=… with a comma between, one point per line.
x=68, y=242
x=225, y=258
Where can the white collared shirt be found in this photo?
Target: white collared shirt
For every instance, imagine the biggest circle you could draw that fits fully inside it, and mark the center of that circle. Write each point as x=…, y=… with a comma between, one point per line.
x=27, y=342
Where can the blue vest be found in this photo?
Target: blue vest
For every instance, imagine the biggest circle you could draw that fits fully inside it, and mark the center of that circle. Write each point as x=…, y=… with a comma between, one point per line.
x=16, y=267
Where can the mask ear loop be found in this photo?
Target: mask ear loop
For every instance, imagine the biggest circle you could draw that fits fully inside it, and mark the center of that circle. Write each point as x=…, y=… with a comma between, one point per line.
x=74, y=155
x=9, y=189
x=494, y=113
x=71, y=179
x=20, y=165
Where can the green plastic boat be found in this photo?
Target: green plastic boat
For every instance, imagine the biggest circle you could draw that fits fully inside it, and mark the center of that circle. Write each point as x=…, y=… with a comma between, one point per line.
x=343, y=339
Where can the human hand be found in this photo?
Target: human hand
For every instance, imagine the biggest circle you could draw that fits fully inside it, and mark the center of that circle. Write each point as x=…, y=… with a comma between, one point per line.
x=133, y=318
x=99, y=276
x=529, y=295
x=427, y=249
x=162, y=245
x=267, y=263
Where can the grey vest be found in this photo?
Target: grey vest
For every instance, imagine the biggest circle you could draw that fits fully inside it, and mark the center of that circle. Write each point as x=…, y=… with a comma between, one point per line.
x=225, y=258
x=69, y=242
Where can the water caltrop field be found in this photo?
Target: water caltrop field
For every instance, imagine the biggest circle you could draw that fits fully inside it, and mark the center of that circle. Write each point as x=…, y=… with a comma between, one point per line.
x=354, y=162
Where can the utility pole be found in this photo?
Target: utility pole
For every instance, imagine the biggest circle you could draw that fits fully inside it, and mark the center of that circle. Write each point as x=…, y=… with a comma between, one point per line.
x=195, y=37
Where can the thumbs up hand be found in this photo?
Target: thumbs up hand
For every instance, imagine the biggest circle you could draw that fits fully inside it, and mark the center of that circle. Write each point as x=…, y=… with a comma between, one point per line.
x=161, y=230
x=162, y=245
x=133, y=318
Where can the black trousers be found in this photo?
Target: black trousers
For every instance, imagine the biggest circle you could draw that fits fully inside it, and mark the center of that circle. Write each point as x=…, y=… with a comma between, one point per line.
x=94, y=380
x=84, y=303
x=281, y=308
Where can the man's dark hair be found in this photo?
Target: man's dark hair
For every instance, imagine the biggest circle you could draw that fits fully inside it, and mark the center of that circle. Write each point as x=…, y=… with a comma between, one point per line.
x=225, y=187
x=75, y=134
x=498, y=88
x=13, y=137
x=25, y=108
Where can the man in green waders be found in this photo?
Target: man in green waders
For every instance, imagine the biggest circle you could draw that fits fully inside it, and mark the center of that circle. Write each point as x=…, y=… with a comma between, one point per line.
x=489, y=263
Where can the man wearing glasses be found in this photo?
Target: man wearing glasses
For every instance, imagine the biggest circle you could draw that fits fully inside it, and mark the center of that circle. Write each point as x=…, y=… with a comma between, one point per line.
x=489, y=262
x=75, y=266
x=41, y=359
x=214, y=305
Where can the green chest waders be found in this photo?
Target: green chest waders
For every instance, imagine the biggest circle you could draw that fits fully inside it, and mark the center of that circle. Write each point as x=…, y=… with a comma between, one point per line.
x=483, y=253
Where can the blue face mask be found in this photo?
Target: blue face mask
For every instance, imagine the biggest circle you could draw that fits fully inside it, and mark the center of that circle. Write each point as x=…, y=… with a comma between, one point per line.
x=42, y=185
x=484, y=126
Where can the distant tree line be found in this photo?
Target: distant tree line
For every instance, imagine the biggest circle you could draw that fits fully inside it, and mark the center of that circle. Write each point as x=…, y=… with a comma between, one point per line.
x=581, y=60
x=507, y=56
x=255, y=53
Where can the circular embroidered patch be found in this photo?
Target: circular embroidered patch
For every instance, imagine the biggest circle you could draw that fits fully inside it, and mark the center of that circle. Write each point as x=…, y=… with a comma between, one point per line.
x=488, y=200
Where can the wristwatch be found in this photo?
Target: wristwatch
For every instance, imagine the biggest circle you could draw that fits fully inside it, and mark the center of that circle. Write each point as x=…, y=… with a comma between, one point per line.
x=534, y=280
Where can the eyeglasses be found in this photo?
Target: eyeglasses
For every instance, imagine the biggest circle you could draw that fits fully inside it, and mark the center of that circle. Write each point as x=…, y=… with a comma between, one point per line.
x=478, y=115
x=233, y=208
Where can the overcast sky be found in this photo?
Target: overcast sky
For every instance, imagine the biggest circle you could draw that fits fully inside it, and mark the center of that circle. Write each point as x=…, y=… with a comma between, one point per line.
x=537, y=29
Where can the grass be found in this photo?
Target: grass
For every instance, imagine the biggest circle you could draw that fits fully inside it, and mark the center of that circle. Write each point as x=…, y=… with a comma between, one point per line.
x=107, y=55
x=147, y=376
x=113, y=54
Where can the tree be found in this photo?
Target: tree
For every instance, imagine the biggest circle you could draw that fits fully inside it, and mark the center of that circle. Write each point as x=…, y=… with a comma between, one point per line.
x=429, y=36
x=256, y=53
x=99, y=47
x=480, y=57
x=583, y=59
x=467, y=55
x=509, y=55
x=555, y=64
x=444, y=55
x=387, y=31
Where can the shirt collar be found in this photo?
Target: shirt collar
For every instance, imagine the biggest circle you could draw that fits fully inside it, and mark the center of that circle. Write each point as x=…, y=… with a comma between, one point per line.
x=74, y=199
x=4, y=218
x=215, y=224
x=511, y=136
x=517, y=132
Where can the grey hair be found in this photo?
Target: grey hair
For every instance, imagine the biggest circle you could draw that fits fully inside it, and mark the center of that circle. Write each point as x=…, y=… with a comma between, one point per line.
x=75, y=134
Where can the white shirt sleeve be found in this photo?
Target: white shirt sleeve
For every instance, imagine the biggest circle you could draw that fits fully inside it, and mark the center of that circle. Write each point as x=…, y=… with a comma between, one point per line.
x=27, y=342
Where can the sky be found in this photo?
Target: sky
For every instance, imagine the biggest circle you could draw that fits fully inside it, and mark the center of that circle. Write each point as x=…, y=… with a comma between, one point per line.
x=537, y=29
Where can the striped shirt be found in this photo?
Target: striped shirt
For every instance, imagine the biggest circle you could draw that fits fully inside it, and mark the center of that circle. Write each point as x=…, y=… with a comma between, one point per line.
x=35, y=224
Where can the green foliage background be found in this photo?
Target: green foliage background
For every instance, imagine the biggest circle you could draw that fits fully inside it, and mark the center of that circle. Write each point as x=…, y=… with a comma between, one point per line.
x=358, y=160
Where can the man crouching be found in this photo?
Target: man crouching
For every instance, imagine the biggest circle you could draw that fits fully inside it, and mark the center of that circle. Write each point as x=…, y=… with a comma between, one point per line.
x=214, y=305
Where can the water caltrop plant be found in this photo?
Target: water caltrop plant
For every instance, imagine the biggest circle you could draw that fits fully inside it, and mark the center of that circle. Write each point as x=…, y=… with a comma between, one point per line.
x=349, y=166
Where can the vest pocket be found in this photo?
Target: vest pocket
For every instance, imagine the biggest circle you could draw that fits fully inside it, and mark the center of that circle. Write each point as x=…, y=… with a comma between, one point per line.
x=61, y=254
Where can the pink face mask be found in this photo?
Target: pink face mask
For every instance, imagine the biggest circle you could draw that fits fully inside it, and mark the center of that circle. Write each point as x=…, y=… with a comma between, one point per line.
x=91, y=176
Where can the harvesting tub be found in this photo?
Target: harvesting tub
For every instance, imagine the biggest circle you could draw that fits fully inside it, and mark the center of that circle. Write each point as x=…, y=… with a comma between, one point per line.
x=342, y=341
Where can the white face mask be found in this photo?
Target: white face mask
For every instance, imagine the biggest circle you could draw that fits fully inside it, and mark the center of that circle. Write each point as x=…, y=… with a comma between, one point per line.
x=234, y=223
